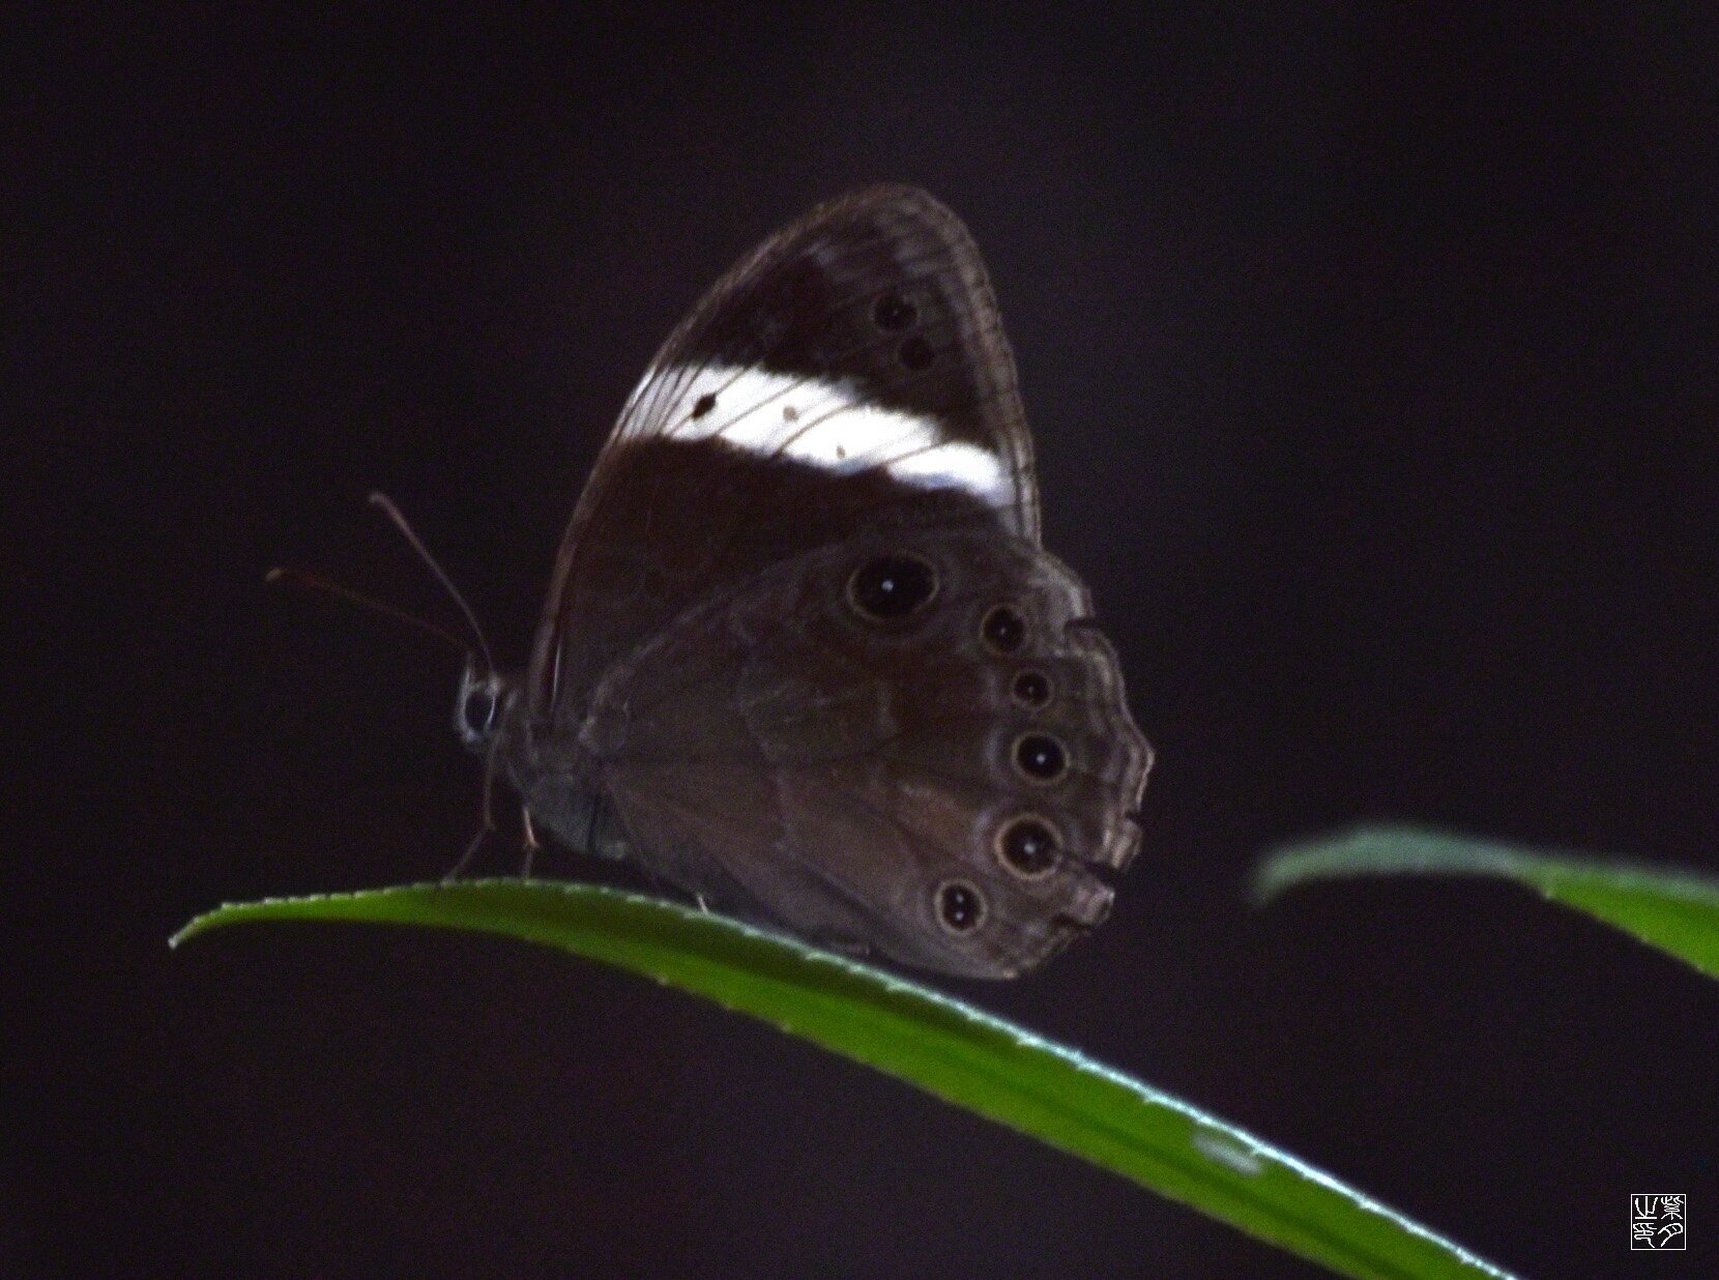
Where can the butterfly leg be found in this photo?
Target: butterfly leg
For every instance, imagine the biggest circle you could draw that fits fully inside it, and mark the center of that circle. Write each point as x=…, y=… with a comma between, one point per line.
x=454, y=872
x=530, y=843
x=488, y=823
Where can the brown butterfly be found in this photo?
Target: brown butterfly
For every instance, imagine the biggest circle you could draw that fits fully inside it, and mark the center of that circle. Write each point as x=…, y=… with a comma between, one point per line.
x=803, y=655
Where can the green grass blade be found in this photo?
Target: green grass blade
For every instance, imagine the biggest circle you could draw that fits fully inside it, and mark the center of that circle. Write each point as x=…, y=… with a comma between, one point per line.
x=1678, y=912
x=949, y=1049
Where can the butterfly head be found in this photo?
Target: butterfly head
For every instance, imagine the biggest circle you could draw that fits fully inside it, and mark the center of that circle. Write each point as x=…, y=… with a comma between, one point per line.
x=482, y=705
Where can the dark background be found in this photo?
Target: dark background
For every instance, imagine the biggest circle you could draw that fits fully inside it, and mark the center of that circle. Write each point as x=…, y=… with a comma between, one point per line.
x=1372, y=362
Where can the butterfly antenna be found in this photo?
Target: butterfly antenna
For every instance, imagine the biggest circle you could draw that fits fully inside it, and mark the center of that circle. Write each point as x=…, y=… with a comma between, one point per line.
x=315, y=582
x=388, y=508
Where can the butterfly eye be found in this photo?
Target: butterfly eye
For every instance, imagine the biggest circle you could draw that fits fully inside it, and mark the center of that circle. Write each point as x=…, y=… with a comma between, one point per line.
x=1003, y=629
x=960, y=909
x=1040, y=757
x=1031, y=689
x=1028, y=847
x=889, y=587
x=893, y=313
x=477, y=711
x=915, y=353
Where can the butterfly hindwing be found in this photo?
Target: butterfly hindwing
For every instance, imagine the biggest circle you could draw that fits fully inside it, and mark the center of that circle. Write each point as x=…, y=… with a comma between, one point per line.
x=817, y=765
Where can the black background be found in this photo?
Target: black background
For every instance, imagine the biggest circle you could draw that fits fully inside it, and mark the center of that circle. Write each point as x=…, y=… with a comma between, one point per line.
x=1372, y=363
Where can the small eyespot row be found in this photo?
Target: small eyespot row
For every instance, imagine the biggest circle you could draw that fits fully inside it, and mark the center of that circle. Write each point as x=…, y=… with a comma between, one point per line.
x=1028, y=847
x=893, y=313
x=915, y=353
x=1002, y=629
x=960, y=906
x=1031, y=689
x=1039, y=758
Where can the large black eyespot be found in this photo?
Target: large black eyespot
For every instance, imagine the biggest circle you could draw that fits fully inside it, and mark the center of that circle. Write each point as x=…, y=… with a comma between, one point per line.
x=1031, y=689
x=892, y=586
x=1003, y=629
x=1040, y=757
x=893, y=313
x=915, y=353
x=959, y=906
x=1028, y=846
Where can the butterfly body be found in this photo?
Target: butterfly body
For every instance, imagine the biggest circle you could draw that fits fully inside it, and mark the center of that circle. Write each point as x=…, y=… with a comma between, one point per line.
x=804, y=656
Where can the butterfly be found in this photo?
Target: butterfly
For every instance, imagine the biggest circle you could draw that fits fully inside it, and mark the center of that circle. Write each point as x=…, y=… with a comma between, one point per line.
x=803, y=655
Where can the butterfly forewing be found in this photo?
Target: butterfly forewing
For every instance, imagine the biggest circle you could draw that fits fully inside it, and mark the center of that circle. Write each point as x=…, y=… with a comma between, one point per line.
x=851, y=372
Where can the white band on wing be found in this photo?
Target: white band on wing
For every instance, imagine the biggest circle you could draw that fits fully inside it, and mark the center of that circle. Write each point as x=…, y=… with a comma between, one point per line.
x=823, y=424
